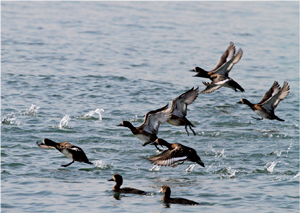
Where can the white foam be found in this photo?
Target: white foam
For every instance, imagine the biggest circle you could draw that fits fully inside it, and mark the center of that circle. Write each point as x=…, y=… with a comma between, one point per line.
x=93, y=112
x=101, y=164
x=270, y=166
x=32, y=111
x=64, y=121
x=10, y=119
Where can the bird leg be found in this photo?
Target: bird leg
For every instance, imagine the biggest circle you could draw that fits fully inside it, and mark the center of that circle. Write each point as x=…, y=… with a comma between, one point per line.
x=158, y=148
x=257, y=118
x=192, y=130
x=186, y=130
x=68, y=164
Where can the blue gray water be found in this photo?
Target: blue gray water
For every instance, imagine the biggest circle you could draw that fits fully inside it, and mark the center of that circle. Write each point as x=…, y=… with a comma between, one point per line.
x=63, y=63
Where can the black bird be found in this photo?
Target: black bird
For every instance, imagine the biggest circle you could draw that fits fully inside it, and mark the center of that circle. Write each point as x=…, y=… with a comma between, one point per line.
x=69, y=150
x=167, y=199
x=219, y=75
x=175, y=154
x=148, y=131
x=119, y=181
x=266, y=107
x=179, y=109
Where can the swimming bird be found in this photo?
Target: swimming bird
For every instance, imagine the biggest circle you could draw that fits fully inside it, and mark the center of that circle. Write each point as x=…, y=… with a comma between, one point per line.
x=148, y=131
x=167, y=199
x=68, y=149
x=179, y=109
x=266, y=107
x=175, y=154
x=119, y=181
x=220, y=73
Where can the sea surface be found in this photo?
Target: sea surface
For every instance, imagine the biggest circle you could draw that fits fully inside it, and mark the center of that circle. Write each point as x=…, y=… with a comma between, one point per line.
x=73, y=71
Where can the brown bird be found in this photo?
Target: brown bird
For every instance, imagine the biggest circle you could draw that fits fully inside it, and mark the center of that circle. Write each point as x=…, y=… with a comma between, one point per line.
x=266, y=107
x=148, y=131
x=179, y=109
x=166, y=198
x=68, y=149
x=175, y=154
x=119, y=181
x=219, y=75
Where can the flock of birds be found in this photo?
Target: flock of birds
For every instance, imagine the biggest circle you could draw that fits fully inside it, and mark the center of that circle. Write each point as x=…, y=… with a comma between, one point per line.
x=177, y=153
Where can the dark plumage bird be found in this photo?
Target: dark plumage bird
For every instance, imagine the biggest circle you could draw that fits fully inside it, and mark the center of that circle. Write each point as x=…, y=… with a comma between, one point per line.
x=69, y=150
x=175, y=154
x=148, y=131
x=265, y=108
x=119, y=181
x=219, y=75
x=179, y=109
x=166, y=198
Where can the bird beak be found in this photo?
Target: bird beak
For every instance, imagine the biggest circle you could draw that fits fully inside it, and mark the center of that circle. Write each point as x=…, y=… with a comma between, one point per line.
x=200, y=163
x=193, y=70
x=120, y=124
x=240, y=102
x=160, y=190
x=40, y=143
x=110, y=180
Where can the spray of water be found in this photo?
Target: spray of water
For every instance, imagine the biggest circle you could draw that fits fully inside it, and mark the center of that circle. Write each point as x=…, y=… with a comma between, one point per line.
x=93, y=112
x=270, y=166
x=10, y=119
x=100, y=164
x=64, y=121
x=32, y=111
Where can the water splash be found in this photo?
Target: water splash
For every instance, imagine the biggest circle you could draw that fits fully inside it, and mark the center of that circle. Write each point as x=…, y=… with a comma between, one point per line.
x=155, y=168
x=64, y=121
x=219, y=154
x=227, y=173
x=288, y=149
x=297, y=175
x=93, y=112
x=10, y=119
x=100, y=164
x=32, y=110
x=210, y=167
x=270, y=166
x=190, y=168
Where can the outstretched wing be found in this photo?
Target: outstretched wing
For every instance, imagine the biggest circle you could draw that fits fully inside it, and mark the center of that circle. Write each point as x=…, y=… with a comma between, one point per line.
x=210, y=87
x=271, y=92
x=227, y=56
x=179, y=104
x=272, y=102
x=225, y=68
x=154, y=118
x=168, y=157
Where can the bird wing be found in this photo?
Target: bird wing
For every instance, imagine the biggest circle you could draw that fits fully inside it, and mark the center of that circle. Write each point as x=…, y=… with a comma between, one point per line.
x=210, y=87
x=275, y=88
x=179, y=104
x=226, y=67
x=272, y=102
x=233, y=85
x=227, y=56
x=217, y=83
x=154, y=118
x=168, y=157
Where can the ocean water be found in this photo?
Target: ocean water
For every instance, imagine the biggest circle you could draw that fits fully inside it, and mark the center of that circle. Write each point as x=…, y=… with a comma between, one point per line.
x=72, y=71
